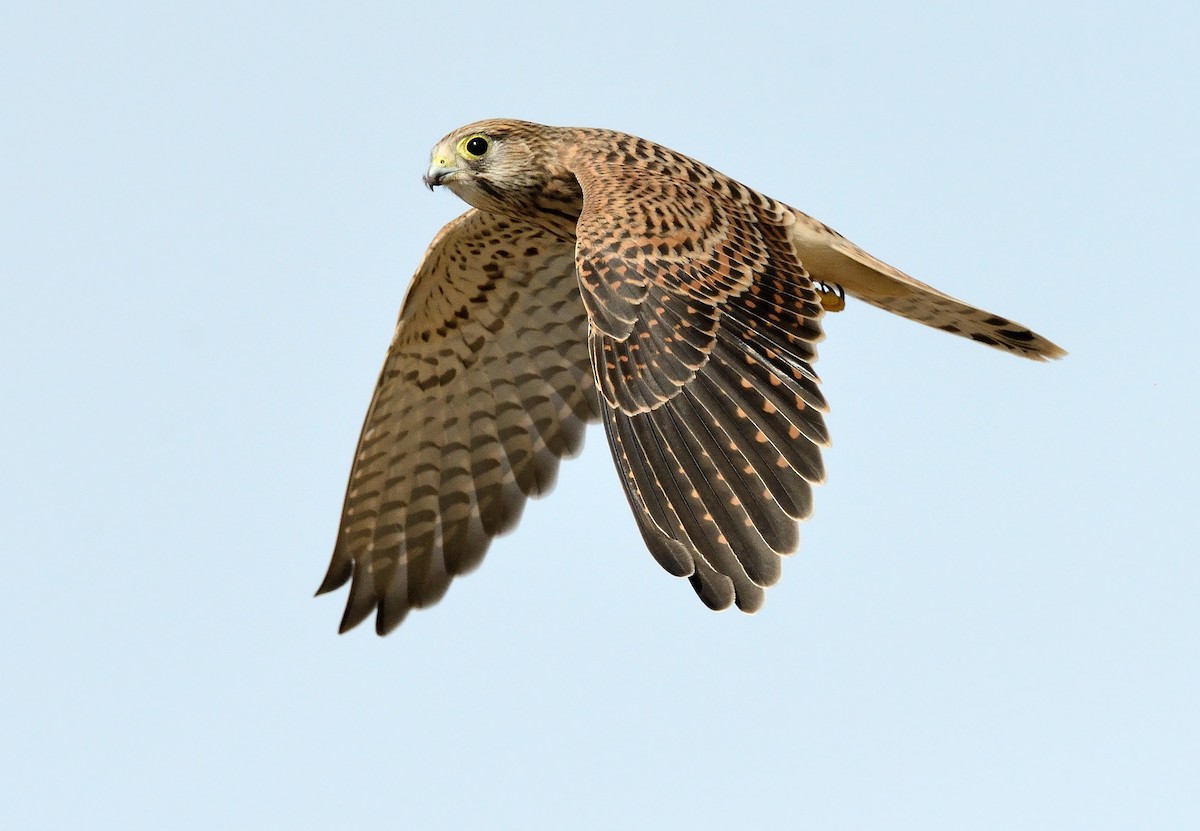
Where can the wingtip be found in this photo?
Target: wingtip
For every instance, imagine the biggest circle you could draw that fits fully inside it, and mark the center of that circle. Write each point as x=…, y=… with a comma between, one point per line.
x=336, y=576
x=354, y=615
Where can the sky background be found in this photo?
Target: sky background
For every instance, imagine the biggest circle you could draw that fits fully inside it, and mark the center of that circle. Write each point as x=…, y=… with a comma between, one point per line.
x=209, y=213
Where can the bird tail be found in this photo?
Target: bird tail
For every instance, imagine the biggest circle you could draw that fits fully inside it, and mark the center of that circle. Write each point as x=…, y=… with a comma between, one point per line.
x=831, y=258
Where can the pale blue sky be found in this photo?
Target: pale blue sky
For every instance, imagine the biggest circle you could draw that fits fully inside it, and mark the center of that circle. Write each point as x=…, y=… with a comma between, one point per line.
x=210, y=212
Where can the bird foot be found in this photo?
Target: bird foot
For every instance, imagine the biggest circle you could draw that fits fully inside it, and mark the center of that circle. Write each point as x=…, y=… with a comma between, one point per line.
x=831, y=295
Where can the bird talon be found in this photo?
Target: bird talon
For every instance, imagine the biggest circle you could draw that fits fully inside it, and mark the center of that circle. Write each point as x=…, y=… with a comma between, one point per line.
x=831, y=295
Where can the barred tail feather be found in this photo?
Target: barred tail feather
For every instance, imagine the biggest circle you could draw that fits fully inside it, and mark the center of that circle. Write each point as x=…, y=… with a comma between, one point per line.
x=831, y=258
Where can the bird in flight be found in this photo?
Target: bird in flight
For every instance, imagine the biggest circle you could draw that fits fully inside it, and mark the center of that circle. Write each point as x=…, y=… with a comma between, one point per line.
x=601, y=276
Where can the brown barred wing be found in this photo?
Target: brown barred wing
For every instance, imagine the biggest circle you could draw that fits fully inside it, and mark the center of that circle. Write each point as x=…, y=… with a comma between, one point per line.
x=703, y=335
x=487, y=384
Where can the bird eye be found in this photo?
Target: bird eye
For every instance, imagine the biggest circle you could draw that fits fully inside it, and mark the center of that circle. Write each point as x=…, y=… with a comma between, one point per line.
x=475, y=146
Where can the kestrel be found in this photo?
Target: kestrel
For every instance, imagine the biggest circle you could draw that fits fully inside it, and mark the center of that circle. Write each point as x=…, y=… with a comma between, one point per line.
x=602, y=276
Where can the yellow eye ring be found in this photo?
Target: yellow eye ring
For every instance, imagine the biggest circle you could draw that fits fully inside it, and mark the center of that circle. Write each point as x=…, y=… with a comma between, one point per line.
x=474, y=147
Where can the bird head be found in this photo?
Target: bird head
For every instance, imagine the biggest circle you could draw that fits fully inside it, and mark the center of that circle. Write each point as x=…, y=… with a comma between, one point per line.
x=498, y=165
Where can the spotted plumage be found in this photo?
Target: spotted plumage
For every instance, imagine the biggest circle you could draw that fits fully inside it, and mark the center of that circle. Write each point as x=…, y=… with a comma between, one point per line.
x=602, y=276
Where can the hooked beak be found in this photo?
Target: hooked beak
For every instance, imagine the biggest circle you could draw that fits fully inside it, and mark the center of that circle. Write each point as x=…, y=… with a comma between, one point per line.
x=440, y=169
